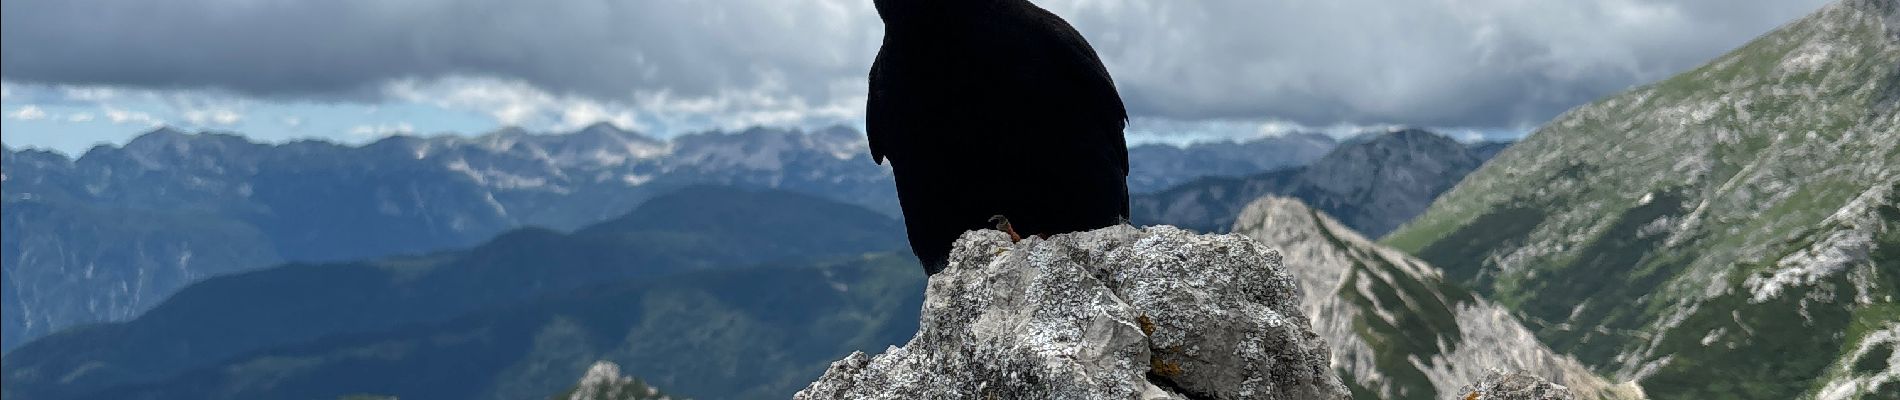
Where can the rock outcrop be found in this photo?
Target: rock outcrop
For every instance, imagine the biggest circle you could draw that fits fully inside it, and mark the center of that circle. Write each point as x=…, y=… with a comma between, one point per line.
x=1115, y=313
x=1500, y=385
x=603, y=381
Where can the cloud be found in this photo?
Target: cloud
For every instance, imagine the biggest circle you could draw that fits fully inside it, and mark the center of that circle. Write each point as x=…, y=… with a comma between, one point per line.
x=28, y=113
x=1483, y=63
x=1419, y=62
x=79, y=117
x=89, y=93
x=381, y=130
x=584, y=114
x=123, y=116
x=220, y=117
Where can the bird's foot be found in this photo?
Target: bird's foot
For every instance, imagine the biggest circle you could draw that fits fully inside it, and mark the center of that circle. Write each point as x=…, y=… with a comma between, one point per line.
x=1002, y=224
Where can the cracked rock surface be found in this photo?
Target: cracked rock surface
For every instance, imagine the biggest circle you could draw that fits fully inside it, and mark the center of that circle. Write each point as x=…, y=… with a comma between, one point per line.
x=1500, y=385
x=1115, y=313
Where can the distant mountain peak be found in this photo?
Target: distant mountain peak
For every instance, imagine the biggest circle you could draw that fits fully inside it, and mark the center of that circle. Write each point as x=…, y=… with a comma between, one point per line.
x=1411, y=135
x=507, y=131
x=603, y=126
x=167, y=137
x=164, y=130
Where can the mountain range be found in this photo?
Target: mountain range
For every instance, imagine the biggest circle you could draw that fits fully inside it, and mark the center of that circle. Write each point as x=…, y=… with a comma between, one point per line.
x=700, y=277
x=1726, y=233
x=1157, y=167
x=108, y=235
x=1372, y=184
x=1731, y=232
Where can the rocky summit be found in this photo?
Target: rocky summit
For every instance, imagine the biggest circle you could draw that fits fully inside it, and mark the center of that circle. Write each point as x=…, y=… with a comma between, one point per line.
x=1115, y=313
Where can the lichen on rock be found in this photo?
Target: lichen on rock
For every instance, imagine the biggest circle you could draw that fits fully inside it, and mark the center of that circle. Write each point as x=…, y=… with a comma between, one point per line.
x=603, y=381
x=1115, y=313
x=1501, y=385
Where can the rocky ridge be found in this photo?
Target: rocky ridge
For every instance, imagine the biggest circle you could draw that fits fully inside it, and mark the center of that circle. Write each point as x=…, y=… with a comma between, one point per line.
x=1397, y=328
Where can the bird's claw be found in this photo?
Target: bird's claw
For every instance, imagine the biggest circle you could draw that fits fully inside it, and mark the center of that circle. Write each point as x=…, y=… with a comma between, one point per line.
x=1002, y=224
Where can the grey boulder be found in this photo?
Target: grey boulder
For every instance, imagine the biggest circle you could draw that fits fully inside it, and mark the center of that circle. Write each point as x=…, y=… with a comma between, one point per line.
x=1115, y=313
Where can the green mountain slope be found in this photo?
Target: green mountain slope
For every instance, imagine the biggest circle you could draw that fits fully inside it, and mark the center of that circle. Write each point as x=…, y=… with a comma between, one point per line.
x=758, y=333
x=693, y=229
x=1713, y=235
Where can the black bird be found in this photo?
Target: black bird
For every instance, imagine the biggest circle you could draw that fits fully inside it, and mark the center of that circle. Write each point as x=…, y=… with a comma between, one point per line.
x=994, y=107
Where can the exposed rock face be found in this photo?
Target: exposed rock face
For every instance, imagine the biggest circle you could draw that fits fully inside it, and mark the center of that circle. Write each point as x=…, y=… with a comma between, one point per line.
x=1431, y=337
x=1501, y=385
x=603, y=381
x=1115, y=313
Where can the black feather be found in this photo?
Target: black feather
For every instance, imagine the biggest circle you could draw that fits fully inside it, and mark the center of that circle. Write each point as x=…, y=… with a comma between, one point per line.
x=994, y=107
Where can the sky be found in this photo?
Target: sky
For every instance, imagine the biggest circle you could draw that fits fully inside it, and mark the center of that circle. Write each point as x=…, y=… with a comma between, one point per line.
x=77, y=73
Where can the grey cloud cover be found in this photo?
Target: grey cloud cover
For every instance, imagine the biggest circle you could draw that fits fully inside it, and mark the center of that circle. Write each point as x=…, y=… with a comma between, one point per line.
x=1468, y=63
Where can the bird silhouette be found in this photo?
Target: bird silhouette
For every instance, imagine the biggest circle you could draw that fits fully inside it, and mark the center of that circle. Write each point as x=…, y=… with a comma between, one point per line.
x=994, y=107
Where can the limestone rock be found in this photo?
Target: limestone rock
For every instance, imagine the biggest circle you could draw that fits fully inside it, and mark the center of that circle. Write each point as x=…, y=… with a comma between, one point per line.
x=603, y=381
x=1115, y=313
x=1500, y=385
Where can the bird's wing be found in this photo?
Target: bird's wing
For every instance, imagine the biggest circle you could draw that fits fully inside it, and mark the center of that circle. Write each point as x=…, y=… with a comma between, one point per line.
x=1096, y=105
x=878, y=114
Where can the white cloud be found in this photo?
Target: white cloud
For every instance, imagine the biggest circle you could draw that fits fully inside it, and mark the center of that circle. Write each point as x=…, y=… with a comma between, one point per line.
x=1498, y=63
x=223, y=117
x=90, y=93
x=381, y=130
x=79, y=117
x=1478, y=63
x=123, y=116
x=1144, y=130
x=292, y=122
x=28, y=113
x=518, y=103
x=512, y=103
x=588, y=113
